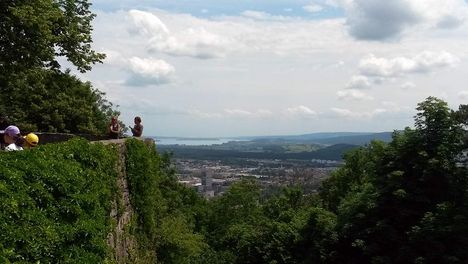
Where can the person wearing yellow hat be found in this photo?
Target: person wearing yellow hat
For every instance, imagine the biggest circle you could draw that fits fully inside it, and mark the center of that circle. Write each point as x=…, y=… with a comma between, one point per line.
x=31, y=140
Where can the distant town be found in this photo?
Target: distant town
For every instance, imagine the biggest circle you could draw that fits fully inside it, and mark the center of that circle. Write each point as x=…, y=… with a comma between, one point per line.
x=212, y=177
x=274, y=162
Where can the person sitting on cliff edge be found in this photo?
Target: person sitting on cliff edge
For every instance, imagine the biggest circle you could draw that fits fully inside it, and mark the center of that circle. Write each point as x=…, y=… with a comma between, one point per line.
x=114, y=128
x=137, y=130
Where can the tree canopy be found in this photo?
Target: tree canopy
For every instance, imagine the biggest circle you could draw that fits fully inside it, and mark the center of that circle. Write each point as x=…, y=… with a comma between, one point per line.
x=36, y=94
x=400, y=202
x=35, y=33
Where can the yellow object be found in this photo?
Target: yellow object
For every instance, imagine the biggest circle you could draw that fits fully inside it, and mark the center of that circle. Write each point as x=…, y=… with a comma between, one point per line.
x=32, y=139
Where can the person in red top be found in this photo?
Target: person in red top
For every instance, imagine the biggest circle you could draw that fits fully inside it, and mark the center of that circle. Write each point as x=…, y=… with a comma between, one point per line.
x=114, y=128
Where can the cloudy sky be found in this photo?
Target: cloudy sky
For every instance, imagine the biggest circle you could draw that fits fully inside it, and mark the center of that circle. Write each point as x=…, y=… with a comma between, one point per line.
x=270, y=67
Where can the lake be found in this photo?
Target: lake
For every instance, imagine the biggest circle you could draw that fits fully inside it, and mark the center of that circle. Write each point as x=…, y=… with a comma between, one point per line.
x=191, y=141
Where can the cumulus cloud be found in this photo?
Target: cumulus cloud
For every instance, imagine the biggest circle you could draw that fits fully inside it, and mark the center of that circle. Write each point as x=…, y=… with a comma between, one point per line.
x=424, y=62
x=147, y=24
x=387, y=110
x=244, y=113
x=379, y=20
x=375, y=70
x=313, y=8
x=201, y=114
x=301, y=111
x=114, y=58
x=359, y=82
x=348, y=114
x=463, y=95
x=355, y=95
x=191, y=42
x=149, y=71
x=408, y=86
x=260, y=15
x=383, y=20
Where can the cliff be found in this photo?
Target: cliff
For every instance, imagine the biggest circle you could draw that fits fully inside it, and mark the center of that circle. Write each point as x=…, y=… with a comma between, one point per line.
x=68, y=203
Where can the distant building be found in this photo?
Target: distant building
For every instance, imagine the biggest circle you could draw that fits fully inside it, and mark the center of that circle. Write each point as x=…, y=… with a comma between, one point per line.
x=207, y=180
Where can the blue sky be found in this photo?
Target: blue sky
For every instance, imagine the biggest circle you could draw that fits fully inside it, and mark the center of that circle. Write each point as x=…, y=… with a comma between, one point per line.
x=203, y=8
x=235, y=68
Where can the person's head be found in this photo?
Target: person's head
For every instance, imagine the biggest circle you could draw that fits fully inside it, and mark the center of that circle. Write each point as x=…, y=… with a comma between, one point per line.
x=137, y=120
x=114, y=120
x=31, y=140
x=11, y=134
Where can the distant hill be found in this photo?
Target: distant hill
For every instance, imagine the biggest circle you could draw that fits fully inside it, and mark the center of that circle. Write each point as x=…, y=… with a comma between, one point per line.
x=307, y=137
x=334, y=152
x=356, y=139
x=351, y=138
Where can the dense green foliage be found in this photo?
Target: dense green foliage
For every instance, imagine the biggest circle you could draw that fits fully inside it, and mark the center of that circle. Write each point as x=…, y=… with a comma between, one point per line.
x=401, y=202
x=166, y=211
x=36, y=95
x=405, y=202
x=54, y=102
x=56, y=203
x=34, y=33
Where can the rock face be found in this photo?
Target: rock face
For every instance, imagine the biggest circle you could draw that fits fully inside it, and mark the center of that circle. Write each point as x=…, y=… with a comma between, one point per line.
x=122, y=243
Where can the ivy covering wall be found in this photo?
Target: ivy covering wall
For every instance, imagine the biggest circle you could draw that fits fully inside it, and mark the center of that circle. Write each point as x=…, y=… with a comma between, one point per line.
x=55, y=203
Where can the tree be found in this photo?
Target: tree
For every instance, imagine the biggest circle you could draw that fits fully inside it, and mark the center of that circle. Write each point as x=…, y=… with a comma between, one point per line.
x=413, y=202
x=45, y=100
x=35, y=33
x=36, y=94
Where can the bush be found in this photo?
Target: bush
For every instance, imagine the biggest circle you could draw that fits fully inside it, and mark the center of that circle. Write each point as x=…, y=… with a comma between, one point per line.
x=56, y=203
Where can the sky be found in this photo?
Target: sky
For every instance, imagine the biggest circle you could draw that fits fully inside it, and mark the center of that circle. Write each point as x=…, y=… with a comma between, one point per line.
x=222, y=68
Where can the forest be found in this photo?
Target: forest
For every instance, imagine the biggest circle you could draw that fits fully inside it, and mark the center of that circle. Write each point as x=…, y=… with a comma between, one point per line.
x=399, y=202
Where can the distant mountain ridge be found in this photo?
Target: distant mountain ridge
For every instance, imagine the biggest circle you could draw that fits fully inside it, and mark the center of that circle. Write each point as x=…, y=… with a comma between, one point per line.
x=352, y=138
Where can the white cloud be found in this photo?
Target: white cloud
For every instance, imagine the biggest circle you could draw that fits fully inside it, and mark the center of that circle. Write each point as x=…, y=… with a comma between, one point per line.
x=382, y=20
x=191, y=42
x=463, y=95
x=301, y=111
x=260, y=15
x=408, y=86
x=377, y=20
x=313, y=8
x=237, y=112
x=387, y=110
x=201, y=114
x=424, y=62
x=114, y=58
x=348, y=114
x=354, y=95
x=149, y=71
x=273, y=64
x=359, y=82
x=244, y=113
x=148, y=24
